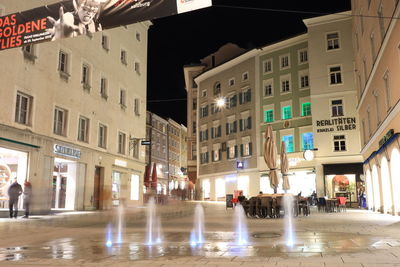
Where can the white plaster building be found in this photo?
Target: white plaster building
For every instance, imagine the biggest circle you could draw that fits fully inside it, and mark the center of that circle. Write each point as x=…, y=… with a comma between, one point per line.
x=69, y=110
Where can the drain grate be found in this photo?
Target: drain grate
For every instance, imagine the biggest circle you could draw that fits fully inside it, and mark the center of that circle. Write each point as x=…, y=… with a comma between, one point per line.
x=266, y=235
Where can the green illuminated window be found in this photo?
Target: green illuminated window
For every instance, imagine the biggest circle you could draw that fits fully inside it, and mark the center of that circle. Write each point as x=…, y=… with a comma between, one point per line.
x=288, y=139
x=269, y=115
x=306, y=109
x=286, y=112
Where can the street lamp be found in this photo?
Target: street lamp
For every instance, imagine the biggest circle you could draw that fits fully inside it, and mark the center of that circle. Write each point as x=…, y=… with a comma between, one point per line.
x=221, y=102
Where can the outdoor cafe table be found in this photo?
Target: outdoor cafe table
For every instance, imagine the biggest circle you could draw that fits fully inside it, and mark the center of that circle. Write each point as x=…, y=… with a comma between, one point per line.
x=331, y=204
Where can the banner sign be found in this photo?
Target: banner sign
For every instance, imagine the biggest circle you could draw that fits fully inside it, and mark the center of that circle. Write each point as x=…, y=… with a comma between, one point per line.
x=339, y=124
x=70, y=18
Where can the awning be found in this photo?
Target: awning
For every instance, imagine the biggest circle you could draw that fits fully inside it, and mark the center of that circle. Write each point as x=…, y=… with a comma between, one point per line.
x=18, y=142
x=382, y=148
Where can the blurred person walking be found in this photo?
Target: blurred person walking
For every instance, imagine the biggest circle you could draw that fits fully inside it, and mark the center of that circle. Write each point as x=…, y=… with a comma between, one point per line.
x=27, y=198
x=14, y=191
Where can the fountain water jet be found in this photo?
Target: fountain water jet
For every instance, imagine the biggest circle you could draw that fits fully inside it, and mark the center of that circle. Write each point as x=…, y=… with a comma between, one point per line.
x=120, y=224
x=241, y=234
x=109, y=236
x=288, y=220
x=197, y=234
x=153, y=225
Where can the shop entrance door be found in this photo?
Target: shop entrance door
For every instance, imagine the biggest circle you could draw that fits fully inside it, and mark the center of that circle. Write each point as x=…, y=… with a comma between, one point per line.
x=64, y=184
x=98, y=186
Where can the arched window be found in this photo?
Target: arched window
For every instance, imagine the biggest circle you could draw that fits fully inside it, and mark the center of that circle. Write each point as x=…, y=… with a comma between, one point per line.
x=217, y=88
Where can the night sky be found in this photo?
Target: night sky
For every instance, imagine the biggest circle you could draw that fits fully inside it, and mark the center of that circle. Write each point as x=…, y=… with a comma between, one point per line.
x=183, y=39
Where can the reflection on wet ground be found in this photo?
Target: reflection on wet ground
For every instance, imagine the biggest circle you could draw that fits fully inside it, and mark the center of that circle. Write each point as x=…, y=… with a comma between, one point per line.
x=218, y=244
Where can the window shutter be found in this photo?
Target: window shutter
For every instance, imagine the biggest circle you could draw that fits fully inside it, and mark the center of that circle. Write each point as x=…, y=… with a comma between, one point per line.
x=227, y=128
x=227, y=152
x=240, y=98
x=236, y=151
x=207, y=157
x=234, y=98
x=206, y=111
x=212, y=108
x=241, y=150
x=206, y=135
x=212, y=132
x=249, y=95
x=250, y=149
x=219, y=131
x=212, y=156
x=249, y=123
x=241, y=125
x=219, y=154
x=234, y=126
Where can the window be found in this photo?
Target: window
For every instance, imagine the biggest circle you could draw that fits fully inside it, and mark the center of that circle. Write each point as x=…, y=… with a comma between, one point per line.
x=194, y=151
x=121, y=143
x=194, y=104
x=284, y=60
x=231, y=82
x=137, y=67
x=122, y=98
x=339, y=143
x=303, y=56
x=23, y=109
x=232, y=101
x=245, y=96
x=335, y=75
x=85, y=76
x=245, y=124
x=104, y=42
x=60, y=121
x=204, y=158
x=308, y=141
x=306, y=109
x=246, y=149
x=29, y=52
x=103, y=88
x=286, y=112
x=204, y=135
x=337, y=108
x=285, y=85
x=332, y=40
x=216, y=131
x=232, y=151
x=288, y=139
x=304, y=80
x=387, y=89
x=102, y=136
x=194, y=127
x=137, y=106
x=123, y=57
x=134, y=145
x=63, y=62
x=204, y=111
x=217, y=88
x=268, y=88
x=245, y=76
x=231, y=127
x=217, y=154
x=204, y=93
x=267, y=66
x=269, y=115
x=138, y=37
x=83, y=129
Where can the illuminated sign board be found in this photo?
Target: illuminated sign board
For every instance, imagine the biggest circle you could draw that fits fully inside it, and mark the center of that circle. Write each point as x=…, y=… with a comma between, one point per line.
x=337, y=124
x=67, y=151
x=70, y=18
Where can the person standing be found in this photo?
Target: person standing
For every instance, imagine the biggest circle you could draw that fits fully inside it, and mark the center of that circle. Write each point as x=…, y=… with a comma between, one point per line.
x=27, y=198
x=14, y=191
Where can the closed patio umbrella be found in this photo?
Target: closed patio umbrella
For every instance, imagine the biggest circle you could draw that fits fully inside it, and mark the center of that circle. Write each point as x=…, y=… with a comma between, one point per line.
x=284, y=167
x=147, y=176
x=270, y=155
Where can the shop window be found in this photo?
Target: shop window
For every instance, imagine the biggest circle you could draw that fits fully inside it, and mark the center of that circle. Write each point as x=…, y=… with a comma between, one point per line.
x=306, y=109
x=269, y=115
x=206, y=189
x=116, y=188
x=23, y=108
x=286, y=112
x=308, y=141
x=220, y=187
x=60, y=121
x=288, y=139
x=339, y=143
x=134, y=187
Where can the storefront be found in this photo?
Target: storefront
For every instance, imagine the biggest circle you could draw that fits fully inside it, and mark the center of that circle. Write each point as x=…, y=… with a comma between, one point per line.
x=13, y=164
x=300, y=181
x=343, y=180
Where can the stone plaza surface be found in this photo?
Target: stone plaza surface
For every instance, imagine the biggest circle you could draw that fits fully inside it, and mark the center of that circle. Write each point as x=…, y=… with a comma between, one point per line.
x=352, y=238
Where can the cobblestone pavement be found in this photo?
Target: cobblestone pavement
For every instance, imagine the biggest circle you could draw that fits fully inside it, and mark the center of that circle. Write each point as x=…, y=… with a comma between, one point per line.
x=352, y=238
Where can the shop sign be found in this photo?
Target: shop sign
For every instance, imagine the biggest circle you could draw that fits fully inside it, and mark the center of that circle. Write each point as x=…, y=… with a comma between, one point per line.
x=386, y=137
x=121, y=163
x=338, y=124
x=67, y=151
x=239, y=165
